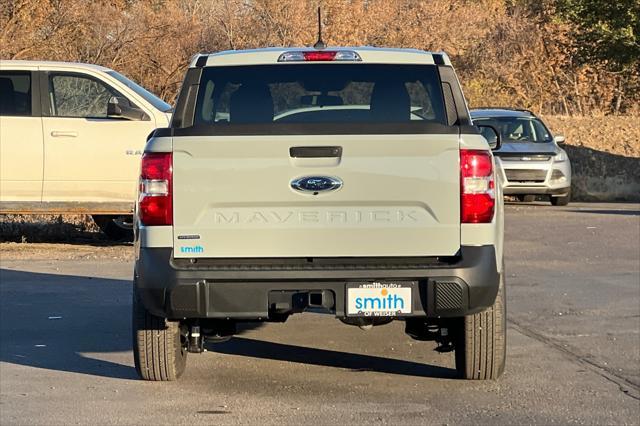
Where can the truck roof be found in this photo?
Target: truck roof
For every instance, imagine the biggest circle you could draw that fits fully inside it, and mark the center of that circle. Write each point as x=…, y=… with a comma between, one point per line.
x=45, y=64
x=267, y=56
x=500, y=112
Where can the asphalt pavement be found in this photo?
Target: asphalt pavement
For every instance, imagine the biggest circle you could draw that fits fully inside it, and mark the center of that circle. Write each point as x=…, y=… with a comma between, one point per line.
x=573, y=291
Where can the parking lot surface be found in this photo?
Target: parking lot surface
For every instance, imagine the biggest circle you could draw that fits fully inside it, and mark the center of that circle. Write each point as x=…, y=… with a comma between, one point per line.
x=573, y=277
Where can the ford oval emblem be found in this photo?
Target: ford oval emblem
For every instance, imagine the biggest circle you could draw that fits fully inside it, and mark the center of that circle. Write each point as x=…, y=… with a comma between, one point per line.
x=316, y=184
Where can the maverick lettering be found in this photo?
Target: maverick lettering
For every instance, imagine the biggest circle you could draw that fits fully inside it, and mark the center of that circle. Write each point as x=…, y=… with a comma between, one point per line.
x=315, y=216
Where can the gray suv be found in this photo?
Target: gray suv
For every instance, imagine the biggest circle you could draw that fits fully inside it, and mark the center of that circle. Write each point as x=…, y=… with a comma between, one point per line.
x=532, y=163
x=348, y=180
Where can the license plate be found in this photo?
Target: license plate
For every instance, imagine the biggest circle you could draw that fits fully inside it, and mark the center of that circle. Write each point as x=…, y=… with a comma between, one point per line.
x=379, y=299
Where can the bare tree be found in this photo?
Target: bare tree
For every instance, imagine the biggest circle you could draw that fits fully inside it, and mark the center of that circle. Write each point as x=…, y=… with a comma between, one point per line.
x=510, y=53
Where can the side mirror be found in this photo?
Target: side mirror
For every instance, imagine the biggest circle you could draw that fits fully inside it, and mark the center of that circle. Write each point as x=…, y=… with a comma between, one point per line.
x=491, y=134
x=119, y=107
x=559, y=139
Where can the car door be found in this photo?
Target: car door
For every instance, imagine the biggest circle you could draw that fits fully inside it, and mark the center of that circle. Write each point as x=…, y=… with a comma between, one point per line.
x=89, y=157
x=21, y=147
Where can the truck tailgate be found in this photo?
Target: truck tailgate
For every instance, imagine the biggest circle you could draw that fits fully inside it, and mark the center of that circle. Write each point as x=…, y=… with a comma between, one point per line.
x=233, y=197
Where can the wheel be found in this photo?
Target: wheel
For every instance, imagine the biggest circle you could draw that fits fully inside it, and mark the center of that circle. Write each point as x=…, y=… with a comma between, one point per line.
x=561, y=201
x=118, y=228
x=480, y=343
x=159, y=353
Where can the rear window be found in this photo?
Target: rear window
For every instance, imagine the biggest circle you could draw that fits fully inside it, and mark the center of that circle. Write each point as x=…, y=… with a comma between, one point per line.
x=518, y=129
x=319, y=93
x=15, y=93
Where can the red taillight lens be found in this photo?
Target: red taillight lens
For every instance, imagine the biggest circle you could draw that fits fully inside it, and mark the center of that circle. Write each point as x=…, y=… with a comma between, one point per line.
x=477, y=187
x=320, y=56
x=155, y=202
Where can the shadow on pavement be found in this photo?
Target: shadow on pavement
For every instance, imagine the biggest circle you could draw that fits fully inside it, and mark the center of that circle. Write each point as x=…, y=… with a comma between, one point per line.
x=63, y=323
x=537, y=203
x=614, y=212
x=282, y=352
x=95, y=317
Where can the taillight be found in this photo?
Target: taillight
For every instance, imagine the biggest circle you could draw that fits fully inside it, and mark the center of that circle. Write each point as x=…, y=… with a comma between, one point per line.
x=319, y=56
x=155, y=202
x=325, y=55
x=477, y=187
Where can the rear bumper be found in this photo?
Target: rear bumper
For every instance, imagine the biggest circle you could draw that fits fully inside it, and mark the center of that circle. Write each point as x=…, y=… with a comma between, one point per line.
x=259, y=289
x=534, y=190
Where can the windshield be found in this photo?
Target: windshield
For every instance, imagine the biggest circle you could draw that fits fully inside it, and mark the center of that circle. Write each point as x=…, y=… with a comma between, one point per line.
x=319, y=93
x=518, y=129
x=144, y=93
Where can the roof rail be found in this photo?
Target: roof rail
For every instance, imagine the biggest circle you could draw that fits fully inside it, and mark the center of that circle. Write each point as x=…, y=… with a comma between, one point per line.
x=507, y=108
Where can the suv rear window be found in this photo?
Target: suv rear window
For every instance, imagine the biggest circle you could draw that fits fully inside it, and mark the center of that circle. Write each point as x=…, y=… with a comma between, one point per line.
x=518, y=129
x=319, y=93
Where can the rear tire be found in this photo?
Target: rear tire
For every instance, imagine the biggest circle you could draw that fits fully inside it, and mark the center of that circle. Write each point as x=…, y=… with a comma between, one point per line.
x=561, y=201
x=158, y=352
x=480, y=343
x=117, y=228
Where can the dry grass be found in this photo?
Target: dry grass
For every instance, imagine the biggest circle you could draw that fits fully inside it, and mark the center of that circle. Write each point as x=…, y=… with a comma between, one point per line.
x=618, y=135
x=48, y=228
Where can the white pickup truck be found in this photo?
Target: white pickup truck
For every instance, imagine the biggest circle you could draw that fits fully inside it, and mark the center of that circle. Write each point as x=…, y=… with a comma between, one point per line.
x=71, y=136
x=347, y=180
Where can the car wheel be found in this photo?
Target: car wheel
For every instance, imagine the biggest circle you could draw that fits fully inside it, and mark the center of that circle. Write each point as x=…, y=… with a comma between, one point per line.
x=159, y=352
x=117, y=228
x=561, y=201
x=480, y=341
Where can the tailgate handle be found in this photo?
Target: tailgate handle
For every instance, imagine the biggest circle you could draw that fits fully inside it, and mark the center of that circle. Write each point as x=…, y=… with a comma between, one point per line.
x=315, y=151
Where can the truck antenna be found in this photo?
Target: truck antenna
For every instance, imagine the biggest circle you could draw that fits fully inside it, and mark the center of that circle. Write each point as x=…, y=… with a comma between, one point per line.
x=319, y=44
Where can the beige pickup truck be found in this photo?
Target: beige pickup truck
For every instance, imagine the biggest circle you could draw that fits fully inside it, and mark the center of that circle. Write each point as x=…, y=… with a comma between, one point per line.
x=71, y=137
x=343, y=180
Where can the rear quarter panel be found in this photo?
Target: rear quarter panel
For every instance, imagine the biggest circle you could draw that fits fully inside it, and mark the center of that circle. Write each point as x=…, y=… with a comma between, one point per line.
x=472, y=234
